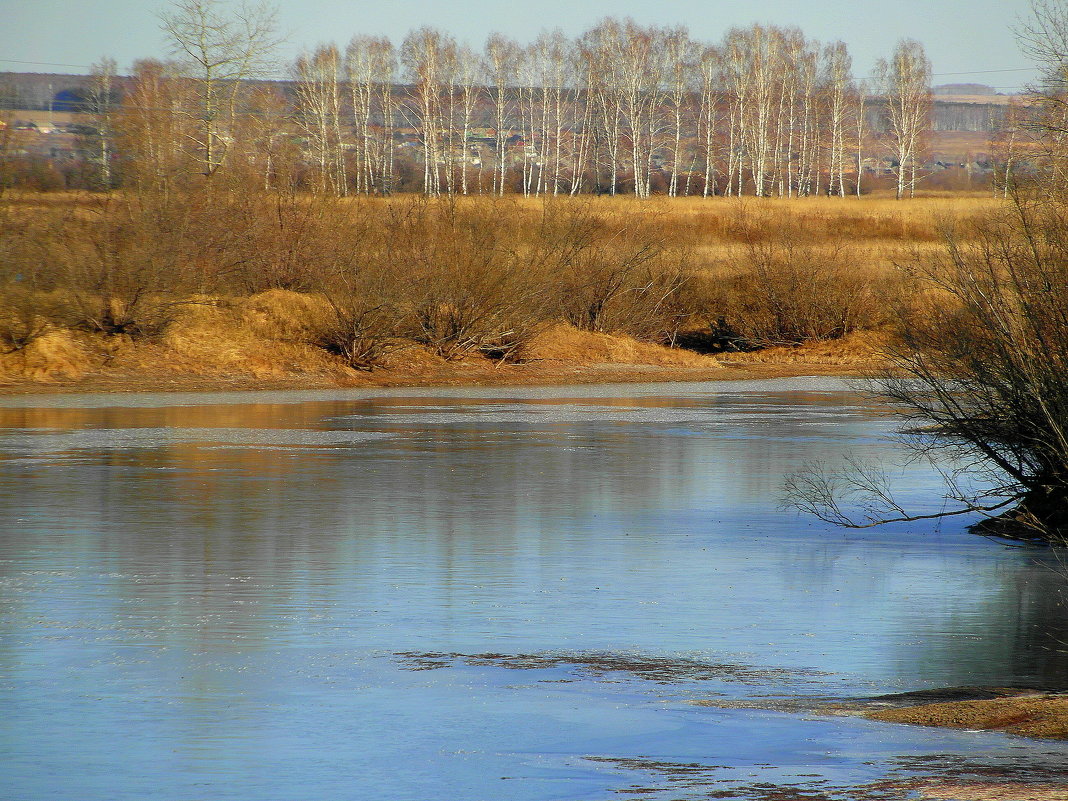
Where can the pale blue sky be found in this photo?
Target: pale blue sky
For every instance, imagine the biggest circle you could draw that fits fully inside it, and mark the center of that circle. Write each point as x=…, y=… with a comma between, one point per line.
x=960, y=35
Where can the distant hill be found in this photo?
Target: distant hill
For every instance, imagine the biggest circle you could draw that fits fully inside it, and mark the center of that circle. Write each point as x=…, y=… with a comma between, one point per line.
x=964, y=89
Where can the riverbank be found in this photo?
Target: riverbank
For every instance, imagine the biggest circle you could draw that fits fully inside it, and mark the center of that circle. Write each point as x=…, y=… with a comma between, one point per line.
x=194, y=361
x=213, y=290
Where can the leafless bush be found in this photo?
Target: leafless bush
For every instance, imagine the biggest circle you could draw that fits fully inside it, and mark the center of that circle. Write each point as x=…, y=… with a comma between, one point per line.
x=365, y=316
x=621, y=277
x=119, y=267
x=983, y=370
x=360, y=333
x=294, y=241
x=121, y=264
x=25, y=315
x=786, y=291
x=472, y=285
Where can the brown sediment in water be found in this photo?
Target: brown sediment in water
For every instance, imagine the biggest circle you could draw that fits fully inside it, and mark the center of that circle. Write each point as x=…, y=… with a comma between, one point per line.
x=1021, y=711
x=936, y=777
x=975, y=791
x=656, y=669
x=945, y=777
x=1025, y=712
x=941, y=778
x=1044, y=716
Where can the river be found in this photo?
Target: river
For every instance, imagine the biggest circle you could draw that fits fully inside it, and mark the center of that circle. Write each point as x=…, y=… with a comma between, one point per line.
x=483, y=594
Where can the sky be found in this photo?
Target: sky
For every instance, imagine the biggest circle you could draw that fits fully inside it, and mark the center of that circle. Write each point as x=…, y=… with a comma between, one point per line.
x=968, y=41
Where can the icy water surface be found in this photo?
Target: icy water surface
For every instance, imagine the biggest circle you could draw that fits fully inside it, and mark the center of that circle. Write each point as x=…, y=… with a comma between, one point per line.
x=475, y=595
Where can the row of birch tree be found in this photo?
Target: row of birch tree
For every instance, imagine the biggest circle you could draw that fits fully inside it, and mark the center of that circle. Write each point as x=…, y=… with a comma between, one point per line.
x=623, y=108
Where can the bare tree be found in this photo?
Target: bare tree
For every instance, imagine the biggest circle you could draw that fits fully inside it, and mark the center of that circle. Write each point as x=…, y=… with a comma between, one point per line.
x=153, y=128
x=428, y=56
x=554, y=57
x=680, y=79
x=467, y=87
x=529, y=107
x=583, y=131
x=859, y=104
x=359, y=74
x=635, y=54
x=501, y=56
x=218, y=52
x=751, y=69
x=1007, y=146
x=101, y=104
x=981, y=375
x=1045, y=38
x=807, y=132
x=371, y=68
x=905, y=82
x=713, y=96
x=602, y=49
x=838, y=66
x=319, y=113
x=270, y=150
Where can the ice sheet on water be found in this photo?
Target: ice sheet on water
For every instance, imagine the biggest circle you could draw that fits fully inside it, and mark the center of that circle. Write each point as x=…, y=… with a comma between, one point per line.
x=169, y=399
x=37, y=442
x=499, y=415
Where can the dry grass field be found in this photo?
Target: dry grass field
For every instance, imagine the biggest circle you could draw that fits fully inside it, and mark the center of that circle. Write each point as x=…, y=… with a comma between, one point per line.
x=254, y=290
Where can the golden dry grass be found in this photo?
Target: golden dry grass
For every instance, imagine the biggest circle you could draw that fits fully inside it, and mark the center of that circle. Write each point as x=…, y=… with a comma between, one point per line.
x=58, y=355
x=206, y=339
x=564, y=343
x=879, y=230
x=858, y=350
x=209, y=339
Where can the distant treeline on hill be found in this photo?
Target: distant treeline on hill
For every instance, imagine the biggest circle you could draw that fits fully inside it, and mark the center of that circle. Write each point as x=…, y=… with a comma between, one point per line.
x=956, y=107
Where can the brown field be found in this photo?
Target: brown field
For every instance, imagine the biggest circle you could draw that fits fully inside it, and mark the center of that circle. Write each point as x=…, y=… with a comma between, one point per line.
x=489, y=291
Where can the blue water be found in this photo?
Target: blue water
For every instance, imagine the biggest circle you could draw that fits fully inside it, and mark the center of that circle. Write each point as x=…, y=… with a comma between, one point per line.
x=479, y=594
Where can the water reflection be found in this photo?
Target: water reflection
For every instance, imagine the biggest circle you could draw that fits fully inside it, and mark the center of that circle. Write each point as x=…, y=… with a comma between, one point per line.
x=226, y=585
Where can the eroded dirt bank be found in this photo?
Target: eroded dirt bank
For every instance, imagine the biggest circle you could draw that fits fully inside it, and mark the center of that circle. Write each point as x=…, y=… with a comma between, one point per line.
x=198, y=360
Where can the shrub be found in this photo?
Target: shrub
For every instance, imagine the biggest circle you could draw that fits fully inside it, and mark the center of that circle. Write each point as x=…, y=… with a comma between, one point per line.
x=361, y=333
x=470, y=283
x=784, y=290
x=619, y=276
x=25, y=316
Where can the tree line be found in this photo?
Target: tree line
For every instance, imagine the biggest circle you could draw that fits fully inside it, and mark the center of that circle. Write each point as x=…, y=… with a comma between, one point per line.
x=623, y=108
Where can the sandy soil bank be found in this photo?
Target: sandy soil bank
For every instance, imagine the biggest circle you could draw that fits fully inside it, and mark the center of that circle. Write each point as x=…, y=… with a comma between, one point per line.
x=561, y=355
